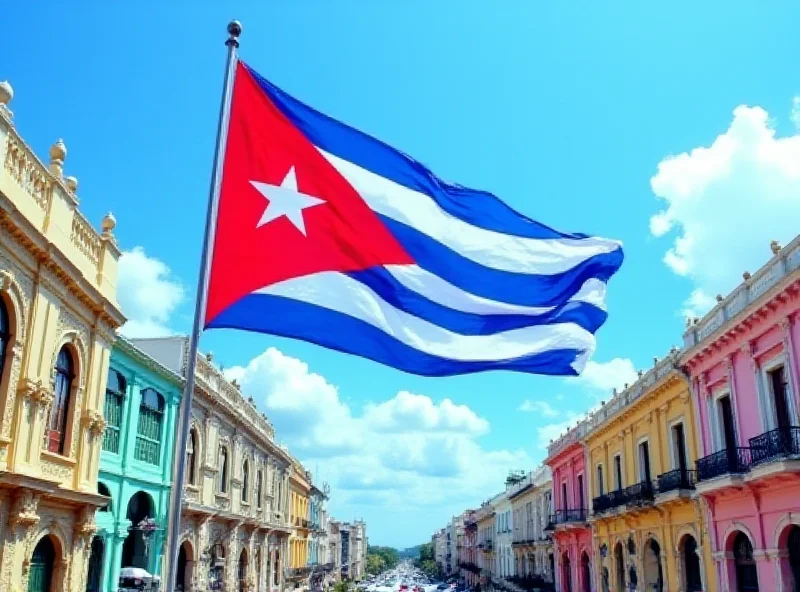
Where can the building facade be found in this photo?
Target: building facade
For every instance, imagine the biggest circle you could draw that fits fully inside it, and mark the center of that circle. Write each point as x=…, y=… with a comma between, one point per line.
x=234, y=519
x=572, y=537
x=484, y=517
x=744, y=365
x=439, y=548
x=470, y=572
x=531, y=543
x=141, y=405
x=300, y=482
x=646, y=518
x=503, y=527
x=58, y=315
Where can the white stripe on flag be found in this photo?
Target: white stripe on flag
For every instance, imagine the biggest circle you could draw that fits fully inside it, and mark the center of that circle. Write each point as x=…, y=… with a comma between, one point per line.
x=438, y=290
x=500, y=251
x=340, y=293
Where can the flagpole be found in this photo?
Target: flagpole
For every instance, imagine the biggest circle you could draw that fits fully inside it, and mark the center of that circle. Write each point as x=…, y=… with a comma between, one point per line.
x=184, y=421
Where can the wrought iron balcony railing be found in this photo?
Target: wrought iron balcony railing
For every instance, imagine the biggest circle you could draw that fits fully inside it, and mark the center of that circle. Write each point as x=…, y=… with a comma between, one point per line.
x=612, y=499
x=724, y=462
x=569, y=516
x=775, y=444
x=675, y=480
x=640, y=493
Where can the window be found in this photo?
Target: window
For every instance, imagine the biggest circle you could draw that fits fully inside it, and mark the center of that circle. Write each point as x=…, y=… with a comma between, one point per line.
x=65, y=374
x=564, y=504
x=259, y=480
x=148, y=432
x=600, y=485
x=679, y=447
x=191, y=446
x=727, y=434
x=115, y=395
x=644, y=462
x=582, y=504
x=222, y=465
x=618, y=472
x=780, y=390
x=5, y=336
x=245, y=479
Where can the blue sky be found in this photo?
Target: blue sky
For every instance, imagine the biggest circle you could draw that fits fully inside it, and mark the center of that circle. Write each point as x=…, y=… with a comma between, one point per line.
x=569, y=113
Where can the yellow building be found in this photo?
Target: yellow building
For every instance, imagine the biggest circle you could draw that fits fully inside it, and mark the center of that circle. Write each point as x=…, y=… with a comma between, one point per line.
x=646, y=518
x=58, y=314
x=299, y=520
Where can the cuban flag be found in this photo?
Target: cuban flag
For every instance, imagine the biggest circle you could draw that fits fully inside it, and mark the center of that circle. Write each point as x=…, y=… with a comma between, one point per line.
x=328, y=235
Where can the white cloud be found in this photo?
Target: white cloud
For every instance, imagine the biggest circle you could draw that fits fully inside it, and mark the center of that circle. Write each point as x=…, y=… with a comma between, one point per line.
x=552, y=431
x=725, y=202
x=407, y=409
x=406, y=450
x=605, y=376
x=542, y=408
x=148, y=294
x=697, y=304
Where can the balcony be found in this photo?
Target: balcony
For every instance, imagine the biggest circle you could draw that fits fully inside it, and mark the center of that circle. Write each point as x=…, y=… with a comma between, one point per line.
x=729, y=461
x=639, y=494
x=677, y=480
x=780, y=444
x=574, y=516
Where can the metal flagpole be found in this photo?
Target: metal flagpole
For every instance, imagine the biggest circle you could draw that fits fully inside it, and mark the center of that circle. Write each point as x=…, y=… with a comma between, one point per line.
x=179, y=464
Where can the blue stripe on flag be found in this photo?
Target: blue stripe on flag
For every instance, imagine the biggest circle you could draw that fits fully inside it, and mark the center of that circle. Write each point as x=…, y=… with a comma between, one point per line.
x=277, y=315
x=494, y=284
x=588, y=316
x=479, y=208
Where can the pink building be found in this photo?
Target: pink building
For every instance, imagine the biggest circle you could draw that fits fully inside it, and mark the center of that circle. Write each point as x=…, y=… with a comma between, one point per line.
x=742, y=359
x=573, y=535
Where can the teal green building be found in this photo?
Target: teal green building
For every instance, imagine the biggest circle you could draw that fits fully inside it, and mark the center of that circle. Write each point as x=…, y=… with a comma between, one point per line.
x=141, y=408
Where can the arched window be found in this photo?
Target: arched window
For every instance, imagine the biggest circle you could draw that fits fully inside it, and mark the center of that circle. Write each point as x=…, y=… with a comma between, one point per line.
x=223, y=470
x=245, y=479
x=115, y=394
x=148, y=432
x=5, y=336
x=259, y=481
x=59, y=414
x=191, y=446
x=103, y=490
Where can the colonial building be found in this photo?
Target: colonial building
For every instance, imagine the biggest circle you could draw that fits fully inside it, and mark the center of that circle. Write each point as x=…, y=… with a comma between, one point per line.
x=484, y=517
x=141, y=405
x=438, y=542
x=743, y=358
x=300, y=483
x=647, y=522
x=572, y=536
x=234, y=522
x=503, y=526
x=58, y=314
x=470, y=572
x=531, y=543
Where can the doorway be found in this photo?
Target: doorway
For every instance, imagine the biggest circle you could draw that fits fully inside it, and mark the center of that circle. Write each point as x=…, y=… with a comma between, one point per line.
x=653, y=573
x=745, y=563
x=586, y=570
x=566, y=572
x=41, y=566
x=135, y=547
x=95, y=575
x=619, y=567
x=691, y=565
x=794, y=557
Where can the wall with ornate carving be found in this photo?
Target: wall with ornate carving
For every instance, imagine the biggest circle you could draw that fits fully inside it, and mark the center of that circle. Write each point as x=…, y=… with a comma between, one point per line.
x=235, y=517
x=58, y=293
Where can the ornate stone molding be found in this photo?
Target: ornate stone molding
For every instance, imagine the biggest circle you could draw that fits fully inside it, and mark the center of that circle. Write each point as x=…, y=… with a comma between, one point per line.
x=36, y=392
x=24, y=510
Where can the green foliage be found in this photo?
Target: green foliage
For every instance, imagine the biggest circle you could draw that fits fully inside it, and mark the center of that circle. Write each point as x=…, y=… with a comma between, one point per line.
x=380, y=559
x=341, y=586
x=426, y=561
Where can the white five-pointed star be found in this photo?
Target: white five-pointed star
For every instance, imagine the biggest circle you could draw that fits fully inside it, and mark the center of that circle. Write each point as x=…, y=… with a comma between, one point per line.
x=285, y=200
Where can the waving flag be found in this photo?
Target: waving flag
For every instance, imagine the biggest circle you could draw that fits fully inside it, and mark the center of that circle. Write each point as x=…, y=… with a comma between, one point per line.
x=330, y=236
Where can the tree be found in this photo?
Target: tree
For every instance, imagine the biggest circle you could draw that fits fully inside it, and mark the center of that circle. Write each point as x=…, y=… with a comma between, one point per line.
x=388, y=557
x=375, y=564
x=426, y=561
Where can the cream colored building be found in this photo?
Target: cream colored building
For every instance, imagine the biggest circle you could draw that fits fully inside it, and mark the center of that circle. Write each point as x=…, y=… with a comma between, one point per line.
x=531, y=507
x=235, y=517
x=58, y=314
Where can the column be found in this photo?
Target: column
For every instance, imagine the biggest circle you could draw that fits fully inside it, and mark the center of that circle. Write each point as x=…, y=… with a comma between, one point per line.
x=115, y=541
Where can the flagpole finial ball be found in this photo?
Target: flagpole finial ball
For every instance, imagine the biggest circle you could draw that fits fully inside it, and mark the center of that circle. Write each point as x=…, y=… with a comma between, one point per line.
x=234, y=28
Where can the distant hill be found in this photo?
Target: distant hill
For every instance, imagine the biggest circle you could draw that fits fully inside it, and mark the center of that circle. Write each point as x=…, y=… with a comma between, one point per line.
x=410, y=553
